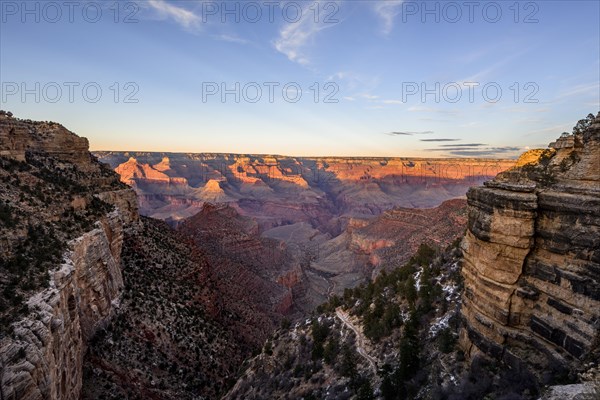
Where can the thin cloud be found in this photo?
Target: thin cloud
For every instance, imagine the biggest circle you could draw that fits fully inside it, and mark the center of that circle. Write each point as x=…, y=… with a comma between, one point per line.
x=231, y=38
x=476, y=151
x=387, y=11
x=397, y=133
x=355, y=82
x=463, y=145
x=526, y=109
x=187, y=19
x=493, y=151
x=431, y=110
x=369, y=96
x=452, y=149
x=439, y=140
x=556, y=128
x=578, y=90
x=479, y=76
x=294, y=37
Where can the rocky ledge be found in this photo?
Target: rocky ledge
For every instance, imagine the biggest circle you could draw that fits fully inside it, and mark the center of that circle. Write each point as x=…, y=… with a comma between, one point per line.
x=52, y=190
x=532, y=258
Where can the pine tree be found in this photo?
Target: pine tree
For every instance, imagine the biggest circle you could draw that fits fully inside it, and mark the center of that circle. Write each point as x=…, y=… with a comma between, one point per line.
x=410, y=291
x=409, y=349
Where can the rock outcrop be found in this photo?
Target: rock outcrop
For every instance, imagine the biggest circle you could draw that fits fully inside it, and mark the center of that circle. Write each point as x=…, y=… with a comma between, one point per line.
x=20, y=136
x=44, y=357
x=532, y=258
x=41, y=353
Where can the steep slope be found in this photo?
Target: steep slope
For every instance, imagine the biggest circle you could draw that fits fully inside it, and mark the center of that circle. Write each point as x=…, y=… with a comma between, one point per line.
x=393, y=336
x=248, y=266
x=62, y=218
x=196, y=303
x=532, y=258
x=174, y=337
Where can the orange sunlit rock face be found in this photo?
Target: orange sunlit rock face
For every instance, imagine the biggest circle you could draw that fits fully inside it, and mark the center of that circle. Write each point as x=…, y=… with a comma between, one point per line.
x=531, y=256
x=278, y=190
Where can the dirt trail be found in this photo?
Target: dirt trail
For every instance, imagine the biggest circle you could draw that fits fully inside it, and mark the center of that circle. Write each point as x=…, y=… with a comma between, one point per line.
x=360, y=339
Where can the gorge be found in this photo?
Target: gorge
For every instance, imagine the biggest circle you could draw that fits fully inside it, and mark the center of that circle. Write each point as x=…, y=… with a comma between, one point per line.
x=285, y=277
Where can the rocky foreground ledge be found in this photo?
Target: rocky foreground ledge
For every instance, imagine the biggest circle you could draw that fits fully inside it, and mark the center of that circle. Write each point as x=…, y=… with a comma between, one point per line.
x=532, y=259
x=51, y=184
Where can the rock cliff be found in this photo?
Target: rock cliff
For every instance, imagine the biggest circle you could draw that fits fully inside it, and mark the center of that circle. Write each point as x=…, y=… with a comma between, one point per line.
x=18, y=137
x=63, y=219
x=532, y=258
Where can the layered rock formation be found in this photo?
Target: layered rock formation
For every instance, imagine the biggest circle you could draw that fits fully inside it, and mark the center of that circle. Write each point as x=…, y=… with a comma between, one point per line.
x=278, y=190
x=20, y=136
x=317, y=206
x=54, y=191
x=328, y=265
x=532, y=257
x=44, y=357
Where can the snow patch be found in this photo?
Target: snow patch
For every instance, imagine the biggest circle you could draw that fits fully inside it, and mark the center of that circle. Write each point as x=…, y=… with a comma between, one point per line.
x=417, y=277
x=439, y=324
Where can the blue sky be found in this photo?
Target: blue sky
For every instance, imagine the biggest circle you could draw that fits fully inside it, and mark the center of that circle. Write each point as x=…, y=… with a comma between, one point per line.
x=377, y=78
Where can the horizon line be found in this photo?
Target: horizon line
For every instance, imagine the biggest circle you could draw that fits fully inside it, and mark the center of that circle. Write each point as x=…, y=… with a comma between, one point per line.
x=305, y=156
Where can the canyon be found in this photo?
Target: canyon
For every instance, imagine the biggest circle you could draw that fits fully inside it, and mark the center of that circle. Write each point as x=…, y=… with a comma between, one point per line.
x=244, y=276
x=280, y=190
x=511, y=311
x=341, y=220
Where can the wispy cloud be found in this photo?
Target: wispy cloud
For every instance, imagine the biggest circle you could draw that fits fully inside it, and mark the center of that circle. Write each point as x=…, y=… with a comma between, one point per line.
x=431, y=110
x=387, y=10
x=294, y=37
x=477, y=150
x=464, y=145
x=440, y=140
x=369, y=96
x=527, y=109
x=484, y=74
x=186, y=18
x=231, y=38
x=408, y=133
x=491, y=152
x=392, y=101
x=586, y=89
x=556, y=129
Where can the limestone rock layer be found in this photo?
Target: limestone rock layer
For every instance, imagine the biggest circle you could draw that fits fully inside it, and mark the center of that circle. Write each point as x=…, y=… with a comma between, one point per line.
x=41, y=353
x=532, y=257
